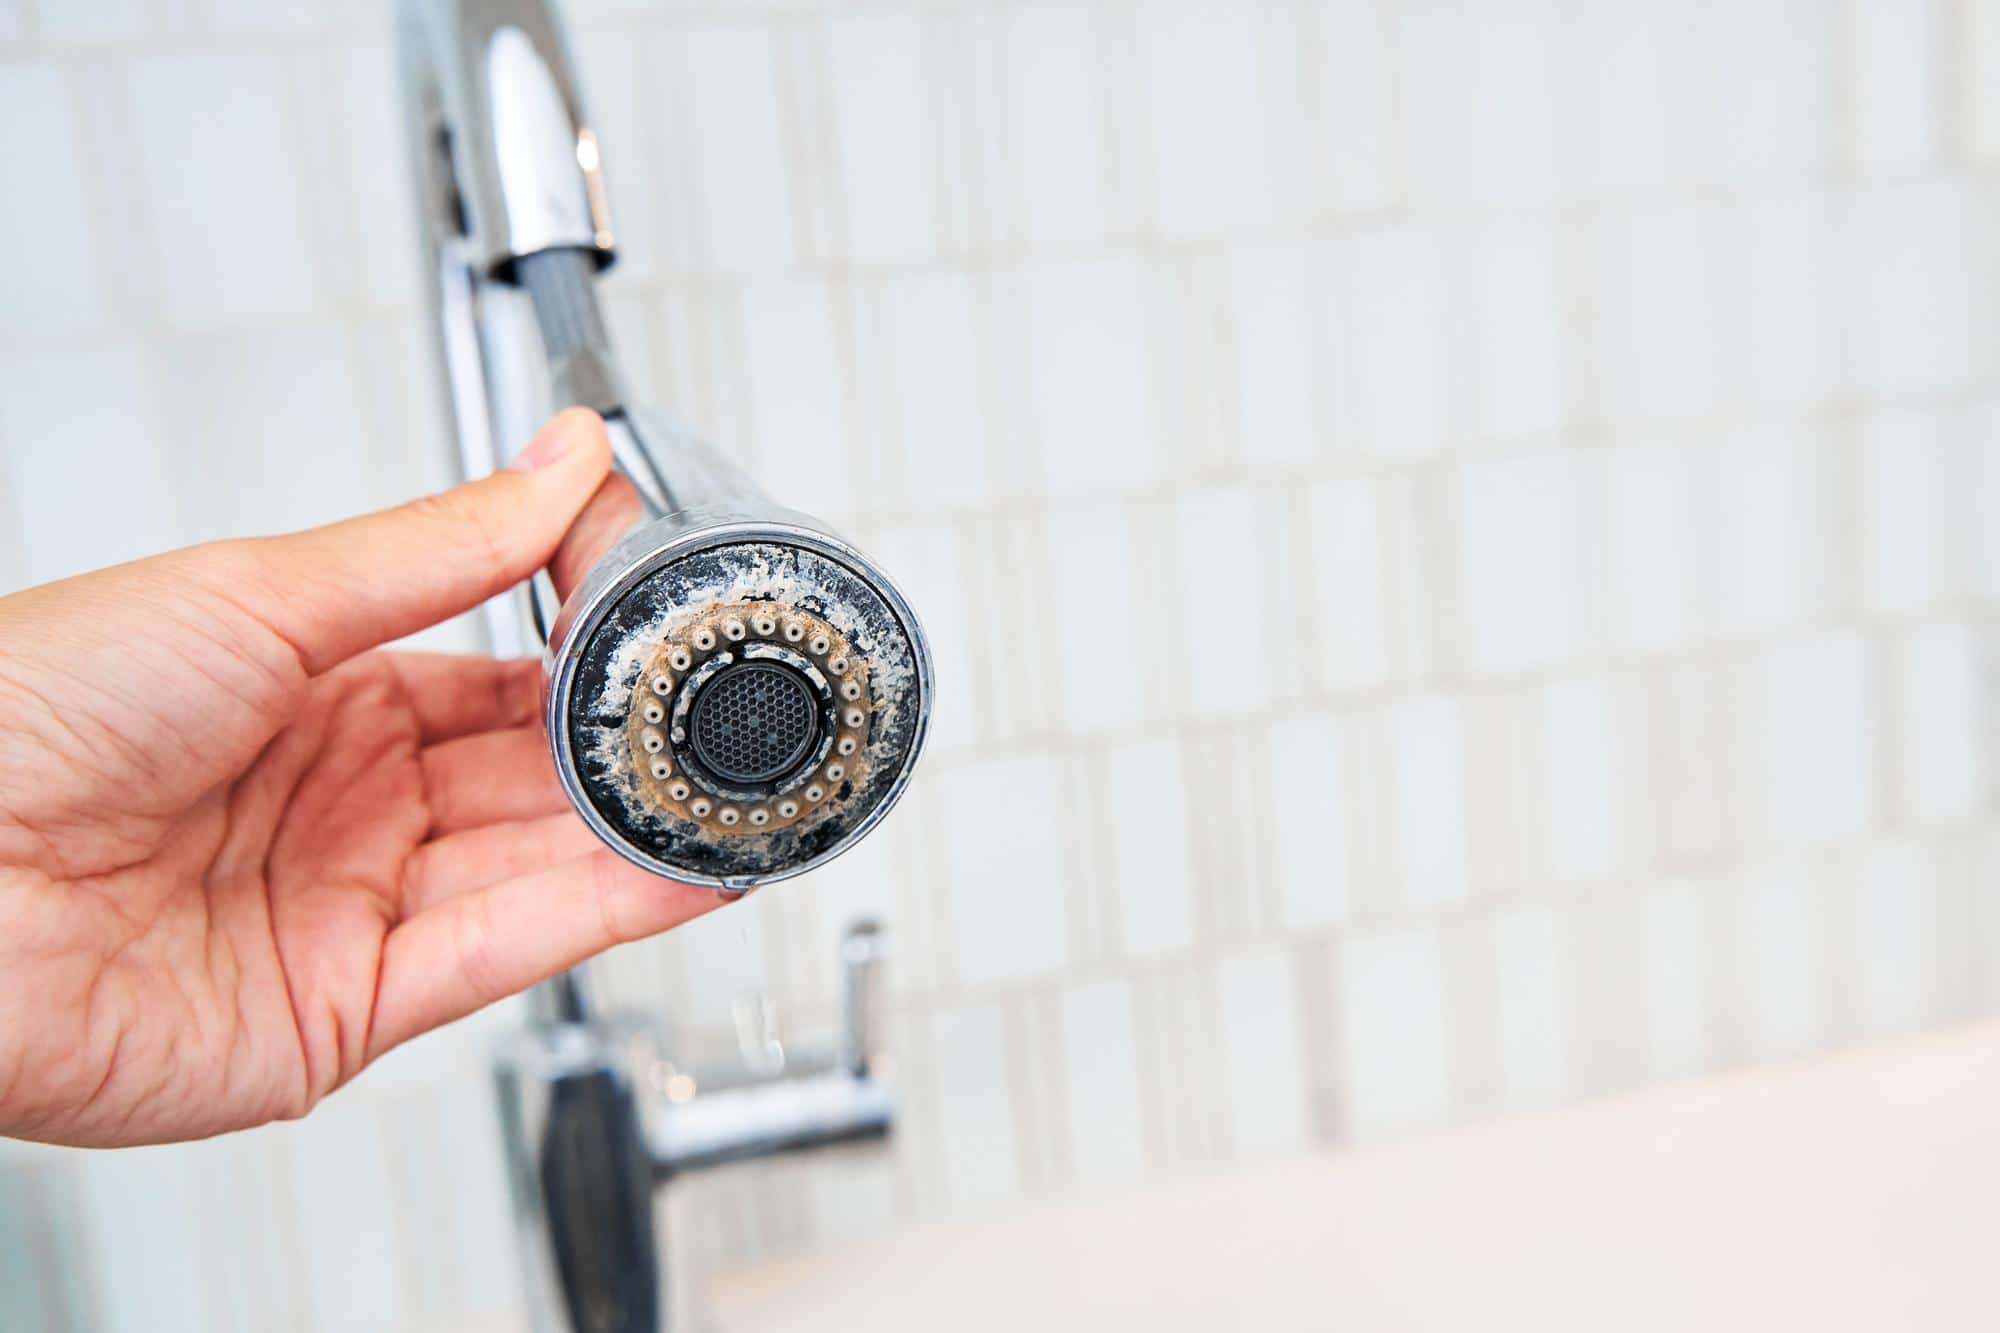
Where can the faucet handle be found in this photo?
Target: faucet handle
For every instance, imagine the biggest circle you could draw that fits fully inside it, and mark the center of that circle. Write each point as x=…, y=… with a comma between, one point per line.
x=864, y=949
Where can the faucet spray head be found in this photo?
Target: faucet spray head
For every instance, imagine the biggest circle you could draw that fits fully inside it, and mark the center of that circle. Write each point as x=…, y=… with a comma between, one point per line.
x=741, y=705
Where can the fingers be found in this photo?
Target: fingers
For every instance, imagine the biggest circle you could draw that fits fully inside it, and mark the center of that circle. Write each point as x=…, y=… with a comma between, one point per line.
x=610, y=515
x=460, y=862
x=454, y=696
x=333, y=591
x=475, y=948
x=488, y=778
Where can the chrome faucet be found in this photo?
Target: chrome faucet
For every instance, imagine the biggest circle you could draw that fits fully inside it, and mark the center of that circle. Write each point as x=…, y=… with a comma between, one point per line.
x=735, y=693
x=595, y=1114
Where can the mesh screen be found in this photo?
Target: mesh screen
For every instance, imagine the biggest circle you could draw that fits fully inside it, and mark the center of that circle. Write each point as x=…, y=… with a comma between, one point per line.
x=753, y=722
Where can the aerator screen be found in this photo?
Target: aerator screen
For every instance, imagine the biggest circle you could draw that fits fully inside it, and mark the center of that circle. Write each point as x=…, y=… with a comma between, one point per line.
x=754, y=722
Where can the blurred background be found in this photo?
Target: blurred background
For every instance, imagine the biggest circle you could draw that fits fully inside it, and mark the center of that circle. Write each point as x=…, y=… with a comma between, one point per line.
x=1583, y=413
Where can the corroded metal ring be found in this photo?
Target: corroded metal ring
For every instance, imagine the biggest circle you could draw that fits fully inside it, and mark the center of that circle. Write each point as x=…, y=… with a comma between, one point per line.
x=753, y=718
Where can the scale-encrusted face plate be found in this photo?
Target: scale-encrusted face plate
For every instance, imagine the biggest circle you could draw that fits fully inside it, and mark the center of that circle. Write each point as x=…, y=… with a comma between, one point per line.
x=639, y=679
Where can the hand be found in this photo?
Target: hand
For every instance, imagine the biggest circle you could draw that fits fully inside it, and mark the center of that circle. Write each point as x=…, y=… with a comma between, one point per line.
x=241, y=855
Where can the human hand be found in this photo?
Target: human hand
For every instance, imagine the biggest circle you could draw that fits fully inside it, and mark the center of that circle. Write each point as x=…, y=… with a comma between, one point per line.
x=242, y=855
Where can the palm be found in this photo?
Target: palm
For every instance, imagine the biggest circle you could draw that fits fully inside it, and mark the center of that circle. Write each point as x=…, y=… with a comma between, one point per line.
x=231, y=874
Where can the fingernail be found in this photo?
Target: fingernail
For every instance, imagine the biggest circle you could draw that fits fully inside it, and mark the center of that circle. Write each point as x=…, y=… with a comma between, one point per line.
x=543, y=450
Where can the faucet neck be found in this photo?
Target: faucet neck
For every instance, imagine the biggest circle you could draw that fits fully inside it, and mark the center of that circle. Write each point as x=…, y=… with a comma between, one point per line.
x=507, y=161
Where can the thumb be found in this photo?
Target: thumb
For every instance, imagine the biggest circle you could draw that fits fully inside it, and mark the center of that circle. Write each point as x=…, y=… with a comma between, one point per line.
x=335, y=591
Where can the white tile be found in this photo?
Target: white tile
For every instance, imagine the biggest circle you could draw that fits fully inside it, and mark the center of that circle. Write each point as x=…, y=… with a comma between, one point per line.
x=933, y=357
x=1980, y=89
x=1513, y=125
x=138, y=1205
x=60, y=21
x=1512, y=561
x=1768, y=486
x=1147, y=810
x=1439, y=83
x=975, y=1107
x=246, y=1216
x=1343, y=332
x=1527, y=975
x=1903, y=507
x=1018, y=681
x=739, y=149
x=1346, y=570
x=722, y=957
x=629, y=322
x=1476, y=103
x=54, y=278
x=1812, y=739
x=346, y=1192
x=1101, y=1075
x=1586, y=481
x=1395, y=300
x=852, y=1200
x=1783, y=1013
x=278, y=413
x=1086, y=332
x=931, y=573
x=1646, y=486
x=1767, y=84
x=1226, y=635
x=13, y=555
x=1944, y=760
x=1895, y=923
x=1429, y=798
x=1655, y=276
x=1391, y=1000
x=1783, y=340
x=83, y=508
x=1982, y=481
x=1583, y=832
x=1628, y=108
x=1005, y=849
x=1911, y=259
x=1676, y=1014
x=881, y=121
x=1209, y=137
x=1274, y=355
x=1897, y=53
x=1263, y=1051
x=461, y=1161
x=1058, y=124
x=384, y=205
x=1090, y=559
x=38, y=1289
x=1354, y=98
x=225, y=220
x=1605, y=1038
x=1524, y=347
x=796, y=376
x=1310, y=813
x=236, y=18
x=859, y=884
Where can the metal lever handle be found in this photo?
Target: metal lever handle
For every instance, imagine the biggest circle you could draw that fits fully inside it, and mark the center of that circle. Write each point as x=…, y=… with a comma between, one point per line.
x=864, y=949
x=841, y=1104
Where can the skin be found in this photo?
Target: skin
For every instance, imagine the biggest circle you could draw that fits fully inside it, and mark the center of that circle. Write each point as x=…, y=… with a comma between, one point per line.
x=243, y=852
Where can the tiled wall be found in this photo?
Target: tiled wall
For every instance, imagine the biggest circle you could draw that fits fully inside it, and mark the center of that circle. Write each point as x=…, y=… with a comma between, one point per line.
x=1463, y=541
